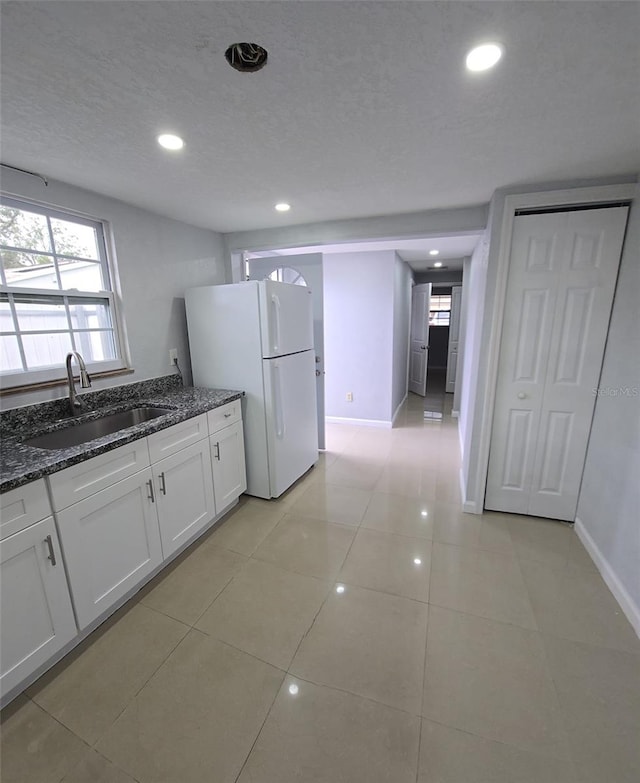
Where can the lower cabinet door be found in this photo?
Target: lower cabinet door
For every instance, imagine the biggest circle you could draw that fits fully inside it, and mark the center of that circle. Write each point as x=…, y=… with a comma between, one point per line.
x=37, y=618
x=184, y=489
x=110, y=543
x=229, y=470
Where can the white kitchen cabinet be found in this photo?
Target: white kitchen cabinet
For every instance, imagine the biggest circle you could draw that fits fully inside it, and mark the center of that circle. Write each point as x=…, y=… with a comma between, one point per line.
x=111, y=542
x=173, y=439
x=80, y=481
x=23, y=506
x=227, y=459
x=184, y=495
x=37, y=617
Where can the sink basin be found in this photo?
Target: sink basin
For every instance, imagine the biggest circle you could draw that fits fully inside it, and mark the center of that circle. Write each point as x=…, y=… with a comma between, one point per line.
x=76, y=434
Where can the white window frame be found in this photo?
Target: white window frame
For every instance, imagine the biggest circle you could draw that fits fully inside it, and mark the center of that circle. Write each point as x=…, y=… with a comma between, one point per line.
x=436, y=306
x=57, y=373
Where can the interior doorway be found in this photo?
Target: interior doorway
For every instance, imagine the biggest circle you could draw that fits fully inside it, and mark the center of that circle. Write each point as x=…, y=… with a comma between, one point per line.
x=442, y=356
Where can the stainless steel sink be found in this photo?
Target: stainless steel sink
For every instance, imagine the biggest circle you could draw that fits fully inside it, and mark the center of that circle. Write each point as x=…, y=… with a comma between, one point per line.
x=76, y=434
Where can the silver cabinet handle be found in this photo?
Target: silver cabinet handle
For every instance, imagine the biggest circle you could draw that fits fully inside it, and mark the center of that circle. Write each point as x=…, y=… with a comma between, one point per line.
x=150, y=494
x=216, y=446
x=163, y=484
x=52, y=555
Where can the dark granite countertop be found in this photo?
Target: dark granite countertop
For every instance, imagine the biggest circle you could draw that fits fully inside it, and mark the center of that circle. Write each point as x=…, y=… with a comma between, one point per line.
x=21, y=464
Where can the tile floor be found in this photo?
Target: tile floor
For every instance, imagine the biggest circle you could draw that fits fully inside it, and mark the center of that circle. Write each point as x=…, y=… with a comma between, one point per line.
x=360, y=629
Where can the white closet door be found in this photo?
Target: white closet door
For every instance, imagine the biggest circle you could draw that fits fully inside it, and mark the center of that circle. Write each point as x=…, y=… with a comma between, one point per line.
x=562, y=278
x=419, y=341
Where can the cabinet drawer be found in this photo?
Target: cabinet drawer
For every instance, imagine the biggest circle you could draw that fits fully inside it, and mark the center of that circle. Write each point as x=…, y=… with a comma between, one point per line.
x=23, y=506
x=166, y=442
x=80, y=481
x=224, y=416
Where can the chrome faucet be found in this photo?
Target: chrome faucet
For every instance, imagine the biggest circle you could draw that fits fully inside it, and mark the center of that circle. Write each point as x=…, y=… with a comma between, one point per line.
x=85, y=381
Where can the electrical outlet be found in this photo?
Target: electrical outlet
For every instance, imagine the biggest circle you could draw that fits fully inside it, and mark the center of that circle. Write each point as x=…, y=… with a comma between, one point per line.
x=349, y=396
x=173, y=356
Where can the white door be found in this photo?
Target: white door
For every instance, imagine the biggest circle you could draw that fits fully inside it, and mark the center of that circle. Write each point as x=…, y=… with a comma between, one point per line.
x=562, y=277
x=184, y=495
x=37, y=618
x=302, y=270
x=227, y=459
x=292, y=436
x=110, y=542
x=454, y=337
x=419, y=342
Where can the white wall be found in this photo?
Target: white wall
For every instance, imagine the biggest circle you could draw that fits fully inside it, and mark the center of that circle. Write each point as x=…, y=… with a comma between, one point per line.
x=436, y=222
x=474, y=289
x=358, y=307
x=609, y=502
x=464, y=309
x=402, y=282
x=157, y=258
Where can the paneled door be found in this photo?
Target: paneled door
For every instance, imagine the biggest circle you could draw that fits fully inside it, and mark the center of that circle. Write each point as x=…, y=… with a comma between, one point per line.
x=419, y=340
x=562, y=278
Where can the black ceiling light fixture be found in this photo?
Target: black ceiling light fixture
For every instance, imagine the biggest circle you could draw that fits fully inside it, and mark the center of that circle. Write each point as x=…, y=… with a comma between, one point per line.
x=246, y=57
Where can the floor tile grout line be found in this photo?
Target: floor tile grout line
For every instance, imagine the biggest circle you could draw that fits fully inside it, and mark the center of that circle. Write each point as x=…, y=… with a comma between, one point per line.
x=484, y=617
x=147, y=681
x=333, y=581
x=419, y=744
x=529, y=751
x=559, y=701
x=59, y=722
x=354, y=694
x=259, y=732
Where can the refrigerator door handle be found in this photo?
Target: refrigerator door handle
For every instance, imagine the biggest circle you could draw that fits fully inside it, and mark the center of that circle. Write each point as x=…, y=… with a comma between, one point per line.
x=275, y=303
x=277, y=398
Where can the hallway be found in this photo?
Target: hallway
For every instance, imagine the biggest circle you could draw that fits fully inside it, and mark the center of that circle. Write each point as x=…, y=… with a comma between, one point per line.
x=360, y=629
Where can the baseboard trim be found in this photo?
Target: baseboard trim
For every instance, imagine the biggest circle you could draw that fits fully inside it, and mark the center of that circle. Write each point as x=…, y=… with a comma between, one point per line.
x=627, y=604
x=402, y=402
x=360, y=422
x=468, y=506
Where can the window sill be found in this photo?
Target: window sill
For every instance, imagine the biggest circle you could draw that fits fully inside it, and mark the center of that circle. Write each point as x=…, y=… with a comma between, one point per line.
x=27, y=387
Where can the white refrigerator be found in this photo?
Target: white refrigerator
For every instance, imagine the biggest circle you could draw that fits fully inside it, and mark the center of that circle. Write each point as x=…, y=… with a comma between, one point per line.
x=258, y=337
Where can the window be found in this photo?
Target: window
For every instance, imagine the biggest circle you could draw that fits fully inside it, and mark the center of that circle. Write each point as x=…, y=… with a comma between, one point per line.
x=440, y=310
x=56, y=294
x=287, y=274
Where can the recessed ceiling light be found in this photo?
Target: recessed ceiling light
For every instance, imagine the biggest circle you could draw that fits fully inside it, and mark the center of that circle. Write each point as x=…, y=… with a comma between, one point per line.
x=170, y=142
x=434, y=252
x=283, y=207
x=438, y=264
x=483, y=57
x=340, y=589
x=417, y=561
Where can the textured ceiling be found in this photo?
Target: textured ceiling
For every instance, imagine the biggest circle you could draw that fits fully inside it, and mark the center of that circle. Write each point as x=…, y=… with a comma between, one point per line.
x=364, y=108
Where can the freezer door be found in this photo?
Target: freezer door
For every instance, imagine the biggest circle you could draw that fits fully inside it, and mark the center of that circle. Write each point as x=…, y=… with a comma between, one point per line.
x=292, y=429
x=286, y=317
